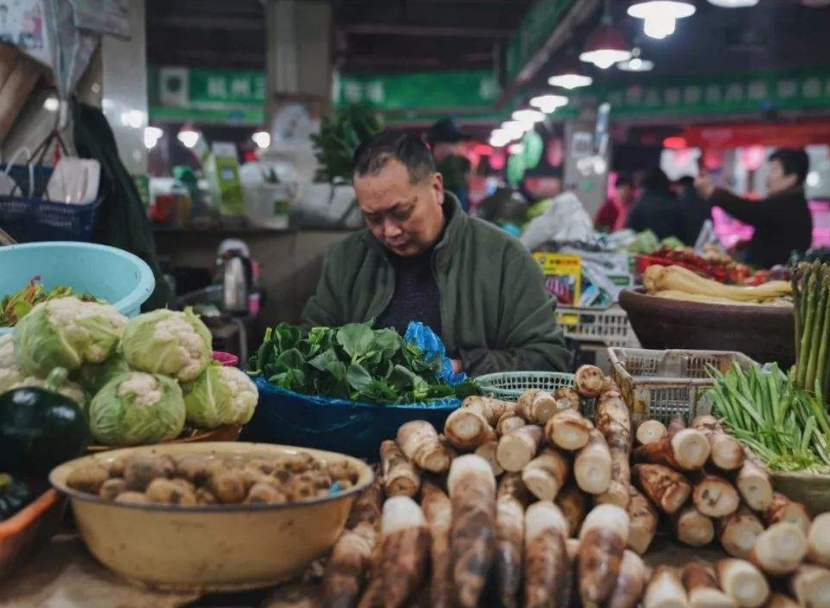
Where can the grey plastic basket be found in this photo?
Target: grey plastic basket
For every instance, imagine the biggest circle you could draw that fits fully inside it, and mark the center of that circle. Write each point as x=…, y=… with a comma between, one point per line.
x=661, y=384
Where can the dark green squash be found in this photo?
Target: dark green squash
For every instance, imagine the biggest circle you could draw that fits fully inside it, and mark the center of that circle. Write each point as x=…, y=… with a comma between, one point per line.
x=39, y=430
x=14, y=495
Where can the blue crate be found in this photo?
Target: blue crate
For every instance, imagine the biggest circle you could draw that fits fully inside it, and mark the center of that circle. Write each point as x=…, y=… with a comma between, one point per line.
x=335, y=425
x=31, y=219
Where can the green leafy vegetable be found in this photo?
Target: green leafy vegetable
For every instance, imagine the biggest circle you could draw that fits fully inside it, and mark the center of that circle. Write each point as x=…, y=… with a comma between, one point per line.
x=786, y=426
x=352, y=362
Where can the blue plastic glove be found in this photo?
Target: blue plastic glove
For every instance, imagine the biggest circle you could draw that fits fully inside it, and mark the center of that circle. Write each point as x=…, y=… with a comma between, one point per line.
x=428, y=341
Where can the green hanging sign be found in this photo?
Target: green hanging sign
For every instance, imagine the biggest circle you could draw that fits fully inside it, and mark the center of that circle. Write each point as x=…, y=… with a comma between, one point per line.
x=419, y=91
x=748, y=92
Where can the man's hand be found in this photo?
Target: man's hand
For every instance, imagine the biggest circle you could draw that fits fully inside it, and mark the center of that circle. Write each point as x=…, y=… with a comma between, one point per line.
x=704, y=185
x=456, y=366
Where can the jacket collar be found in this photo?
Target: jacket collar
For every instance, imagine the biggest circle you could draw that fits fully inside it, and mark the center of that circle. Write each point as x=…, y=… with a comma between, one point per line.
x=456, y=221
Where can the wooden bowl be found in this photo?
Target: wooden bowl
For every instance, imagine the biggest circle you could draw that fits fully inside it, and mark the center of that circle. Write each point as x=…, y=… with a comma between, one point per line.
x=215, y=547
x=763, y=333
x=229, y=432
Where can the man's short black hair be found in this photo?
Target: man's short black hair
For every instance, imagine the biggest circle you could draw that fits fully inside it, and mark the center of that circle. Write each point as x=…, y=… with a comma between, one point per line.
x=655, y=180
x=794, y=161
x=375, y=152
x=623, y=180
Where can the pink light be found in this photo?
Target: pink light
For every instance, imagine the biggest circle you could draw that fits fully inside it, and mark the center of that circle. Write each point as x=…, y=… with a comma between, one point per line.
x=675, y=143
x=515, y=148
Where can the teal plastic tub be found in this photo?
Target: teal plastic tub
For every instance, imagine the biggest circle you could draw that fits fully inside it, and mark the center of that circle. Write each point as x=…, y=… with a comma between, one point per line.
x=121, y=278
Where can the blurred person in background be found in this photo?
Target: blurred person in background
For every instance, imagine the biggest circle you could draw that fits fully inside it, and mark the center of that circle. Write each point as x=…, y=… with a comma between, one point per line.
x=693, y=208
x=782, y=220
x=656, y=209
x=446, y=141
x=612, y=215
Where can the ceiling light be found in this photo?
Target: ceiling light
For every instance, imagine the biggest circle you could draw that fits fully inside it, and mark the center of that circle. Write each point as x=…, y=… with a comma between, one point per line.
x=500, y=138
x=515, y=129
x=635, y=64
x=570, y=81
x=152, y=135
x=133, y=118
x=733, y=3
x=549, y=103
x=605, y=47
x=661, y=16
x=262, y=139
x=528, y=116
x=569, y=74
x=188, y=137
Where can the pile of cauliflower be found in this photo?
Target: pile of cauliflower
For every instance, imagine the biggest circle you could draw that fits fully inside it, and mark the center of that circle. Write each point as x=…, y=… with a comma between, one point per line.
x=138, y=381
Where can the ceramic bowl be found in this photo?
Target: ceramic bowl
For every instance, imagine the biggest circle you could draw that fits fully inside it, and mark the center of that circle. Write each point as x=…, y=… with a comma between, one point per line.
x=216, y=547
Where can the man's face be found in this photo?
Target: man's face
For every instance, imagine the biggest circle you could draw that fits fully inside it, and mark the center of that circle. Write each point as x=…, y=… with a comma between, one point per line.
x=777, y=180
x=407, y=218
x=625, y=192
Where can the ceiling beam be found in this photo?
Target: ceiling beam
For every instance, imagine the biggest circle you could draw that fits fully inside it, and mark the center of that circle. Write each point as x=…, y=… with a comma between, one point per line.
x=581, y=11
x=441, y=31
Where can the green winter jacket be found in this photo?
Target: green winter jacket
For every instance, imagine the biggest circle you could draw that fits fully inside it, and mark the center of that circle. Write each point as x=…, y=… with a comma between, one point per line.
x=495, y=312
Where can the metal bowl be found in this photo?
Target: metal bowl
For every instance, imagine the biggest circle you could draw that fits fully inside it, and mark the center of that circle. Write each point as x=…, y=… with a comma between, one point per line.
x=763, y=333
x=216, y=547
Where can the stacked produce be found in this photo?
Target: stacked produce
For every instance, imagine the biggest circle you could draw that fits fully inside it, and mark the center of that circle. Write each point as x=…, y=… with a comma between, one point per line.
x=136, y=381
x=787, y=427
x=497, y=510
x=680, y=283
x=196, y=479
x=353, y=362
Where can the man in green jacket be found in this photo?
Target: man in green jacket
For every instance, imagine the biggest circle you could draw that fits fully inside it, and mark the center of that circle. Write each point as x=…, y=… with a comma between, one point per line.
x=423, y=259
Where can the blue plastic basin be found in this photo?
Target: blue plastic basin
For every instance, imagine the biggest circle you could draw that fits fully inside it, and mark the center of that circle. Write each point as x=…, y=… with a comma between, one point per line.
x=121, y=278
x=356, y=429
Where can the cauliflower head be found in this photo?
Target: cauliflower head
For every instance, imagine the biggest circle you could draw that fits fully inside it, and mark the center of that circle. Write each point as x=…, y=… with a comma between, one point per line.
x=67, y=333
x=136, y=408
x=219, y=396
x=168, y=342
x=6, y=351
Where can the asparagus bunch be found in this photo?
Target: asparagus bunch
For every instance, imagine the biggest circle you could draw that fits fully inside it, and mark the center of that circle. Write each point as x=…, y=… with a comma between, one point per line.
x=811, y=293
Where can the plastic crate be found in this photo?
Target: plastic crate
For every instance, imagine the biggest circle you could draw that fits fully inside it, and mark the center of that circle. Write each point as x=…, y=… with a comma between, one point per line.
x=609, y=326
x=662, y=384
x=29, y=218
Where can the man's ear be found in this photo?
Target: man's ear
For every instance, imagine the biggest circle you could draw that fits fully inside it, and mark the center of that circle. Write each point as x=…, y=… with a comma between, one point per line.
x=437, y=184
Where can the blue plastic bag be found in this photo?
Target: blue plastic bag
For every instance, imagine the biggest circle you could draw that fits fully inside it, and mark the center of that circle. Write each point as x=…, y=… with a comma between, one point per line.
x=428, y=341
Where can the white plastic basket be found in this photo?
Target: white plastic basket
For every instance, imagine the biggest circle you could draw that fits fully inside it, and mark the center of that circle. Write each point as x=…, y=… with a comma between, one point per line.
x=609, y=326
x=661, y=384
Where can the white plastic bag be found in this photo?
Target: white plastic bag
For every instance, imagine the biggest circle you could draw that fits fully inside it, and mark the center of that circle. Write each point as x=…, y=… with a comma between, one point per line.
x=566, y=220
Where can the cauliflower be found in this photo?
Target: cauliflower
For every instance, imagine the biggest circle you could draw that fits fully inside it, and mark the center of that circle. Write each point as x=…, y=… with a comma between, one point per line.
x=67, y=333
x=10, y=377
x=10, y=373
x=135, y=408
x=167, y=342
x=6, y=351
x=221, y=395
